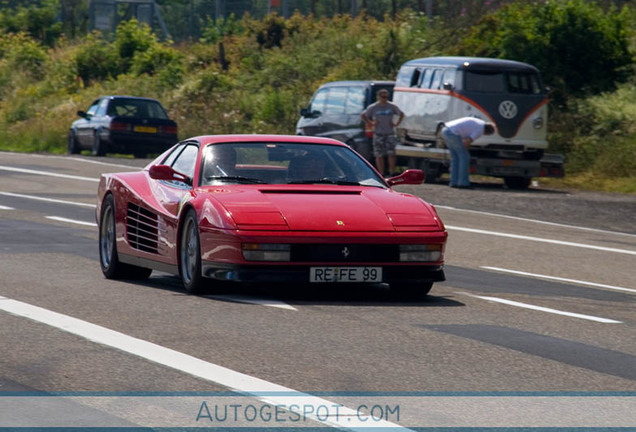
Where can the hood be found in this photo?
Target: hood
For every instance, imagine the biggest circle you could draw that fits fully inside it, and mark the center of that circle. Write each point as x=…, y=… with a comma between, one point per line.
x=320, y=208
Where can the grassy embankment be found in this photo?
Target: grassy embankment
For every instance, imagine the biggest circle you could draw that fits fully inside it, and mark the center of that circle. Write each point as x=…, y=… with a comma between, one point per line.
x=267, y=80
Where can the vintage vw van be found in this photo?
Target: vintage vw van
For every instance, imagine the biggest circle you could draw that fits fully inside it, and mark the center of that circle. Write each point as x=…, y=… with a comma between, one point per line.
x=507, y=93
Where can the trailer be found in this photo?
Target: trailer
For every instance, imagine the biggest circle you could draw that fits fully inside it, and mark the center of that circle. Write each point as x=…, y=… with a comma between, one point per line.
x=516, y=169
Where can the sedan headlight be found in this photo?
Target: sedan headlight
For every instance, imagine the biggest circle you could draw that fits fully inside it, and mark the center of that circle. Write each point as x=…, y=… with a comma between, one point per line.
x=420, y=253
x=266, y=252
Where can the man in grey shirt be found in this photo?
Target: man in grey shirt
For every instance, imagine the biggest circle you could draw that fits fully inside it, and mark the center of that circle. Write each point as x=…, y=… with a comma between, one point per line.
x=379, y=115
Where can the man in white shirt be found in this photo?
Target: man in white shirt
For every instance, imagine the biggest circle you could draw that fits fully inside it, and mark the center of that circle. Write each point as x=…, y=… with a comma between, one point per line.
x=458, y=135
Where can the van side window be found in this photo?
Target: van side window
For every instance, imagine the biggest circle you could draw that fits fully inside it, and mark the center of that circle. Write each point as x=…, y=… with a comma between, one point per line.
x=449, y=77
x=404, y=77
x=336, y=100
x=426, y=78
x=415, y=78
x=320, y=101
x=436, y=82
x=355, y=100
x=486, y=82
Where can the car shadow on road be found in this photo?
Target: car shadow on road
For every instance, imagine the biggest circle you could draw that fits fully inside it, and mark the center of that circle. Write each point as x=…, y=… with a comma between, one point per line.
x=303, y=294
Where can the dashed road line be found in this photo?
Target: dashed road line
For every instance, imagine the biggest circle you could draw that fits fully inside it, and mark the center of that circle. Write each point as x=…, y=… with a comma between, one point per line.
x=542, y=240
x=254, y=300
x=73, y=221
x=543, y=309
x=560, y=279
x=51, y=200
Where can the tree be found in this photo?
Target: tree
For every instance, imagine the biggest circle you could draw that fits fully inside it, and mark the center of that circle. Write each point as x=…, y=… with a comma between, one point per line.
x=580, y=48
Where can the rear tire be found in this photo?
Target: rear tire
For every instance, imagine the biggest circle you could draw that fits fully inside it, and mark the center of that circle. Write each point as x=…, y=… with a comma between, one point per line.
x=518, y=183
x=98, y=146
x=108, y=257
x=190, y=255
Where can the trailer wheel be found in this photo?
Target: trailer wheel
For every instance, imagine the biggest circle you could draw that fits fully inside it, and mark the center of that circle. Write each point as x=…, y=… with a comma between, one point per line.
x=518, y=183
x=431, y=172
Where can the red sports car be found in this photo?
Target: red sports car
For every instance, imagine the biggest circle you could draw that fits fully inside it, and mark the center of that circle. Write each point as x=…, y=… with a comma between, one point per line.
x=268, y=208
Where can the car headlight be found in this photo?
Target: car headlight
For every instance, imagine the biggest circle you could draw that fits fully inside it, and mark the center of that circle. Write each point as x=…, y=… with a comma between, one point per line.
x=537, y=123
x=266, y=252
x=420, y=253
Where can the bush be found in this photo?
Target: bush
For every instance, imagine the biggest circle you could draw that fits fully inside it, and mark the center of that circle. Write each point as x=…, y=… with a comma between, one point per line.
x=96, y=60
x=580, y=48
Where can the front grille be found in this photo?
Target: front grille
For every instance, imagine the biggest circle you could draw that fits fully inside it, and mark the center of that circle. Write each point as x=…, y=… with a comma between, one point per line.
x=142, y=228
x=344, y=253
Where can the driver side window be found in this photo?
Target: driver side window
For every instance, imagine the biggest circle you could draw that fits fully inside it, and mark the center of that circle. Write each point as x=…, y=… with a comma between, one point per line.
x=185, y=162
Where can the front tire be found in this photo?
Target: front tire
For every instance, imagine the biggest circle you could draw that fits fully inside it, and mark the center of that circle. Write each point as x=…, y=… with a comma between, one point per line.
x=190, y=255
x=108, y=257
x=411, y=291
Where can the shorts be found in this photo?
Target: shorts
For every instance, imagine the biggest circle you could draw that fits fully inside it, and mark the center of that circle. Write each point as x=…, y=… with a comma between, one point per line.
x=384, y=145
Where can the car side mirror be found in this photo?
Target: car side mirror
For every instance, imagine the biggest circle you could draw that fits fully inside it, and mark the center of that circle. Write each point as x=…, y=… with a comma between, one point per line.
x=82, y=114
x=304, y=112
x=447, y=86
x=412, y=176
x=166, y=172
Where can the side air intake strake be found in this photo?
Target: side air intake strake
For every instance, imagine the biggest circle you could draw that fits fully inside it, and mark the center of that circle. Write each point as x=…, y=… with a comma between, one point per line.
x=142, y=228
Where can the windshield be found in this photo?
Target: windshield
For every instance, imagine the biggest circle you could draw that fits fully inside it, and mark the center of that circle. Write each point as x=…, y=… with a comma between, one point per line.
x=285, y=163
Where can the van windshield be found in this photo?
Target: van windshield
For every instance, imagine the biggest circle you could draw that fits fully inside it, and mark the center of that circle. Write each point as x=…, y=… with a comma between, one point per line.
x=501, y=82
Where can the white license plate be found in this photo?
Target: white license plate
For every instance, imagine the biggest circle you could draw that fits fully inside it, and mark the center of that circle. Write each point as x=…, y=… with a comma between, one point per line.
x=345, y=274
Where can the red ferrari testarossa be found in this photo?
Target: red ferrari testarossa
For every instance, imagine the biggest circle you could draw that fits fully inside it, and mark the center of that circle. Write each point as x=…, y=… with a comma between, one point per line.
x=268, y=208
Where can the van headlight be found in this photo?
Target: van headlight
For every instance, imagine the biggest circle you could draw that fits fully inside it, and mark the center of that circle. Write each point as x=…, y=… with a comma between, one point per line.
x=266, y=252
x=420, y=253
x=537, y=123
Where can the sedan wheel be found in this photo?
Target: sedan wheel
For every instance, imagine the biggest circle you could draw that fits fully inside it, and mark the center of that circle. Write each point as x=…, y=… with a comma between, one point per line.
x=98, y=145
x=108, y=258
x=411, y=291
x=73, y=146
x=190, y=255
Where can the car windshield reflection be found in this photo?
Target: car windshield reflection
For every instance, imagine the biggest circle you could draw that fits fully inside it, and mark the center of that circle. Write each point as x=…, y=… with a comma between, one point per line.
x=285, y=163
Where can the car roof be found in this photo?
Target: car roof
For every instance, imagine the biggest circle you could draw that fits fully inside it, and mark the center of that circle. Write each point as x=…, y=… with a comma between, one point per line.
x=358, y=82
x=476, y=63
x=259, y=138
x=128, y=97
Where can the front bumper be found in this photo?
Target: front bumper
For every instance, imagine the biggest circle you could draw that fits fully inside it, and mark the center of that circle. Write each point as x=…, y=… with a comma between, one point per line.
x=300, y=274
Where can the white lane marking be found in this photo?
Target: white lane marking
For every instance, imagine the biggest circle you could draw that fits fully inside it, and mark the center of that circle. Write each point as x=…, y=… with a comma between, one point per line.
x=31, y=155
x=73, y=221
x=52, y=200
x=560, y=279
x=254, y=300
x=537, y=221
x=260, y=389
x=543, y=309
x=48, y=173
x=6, y=208
x=542, y=240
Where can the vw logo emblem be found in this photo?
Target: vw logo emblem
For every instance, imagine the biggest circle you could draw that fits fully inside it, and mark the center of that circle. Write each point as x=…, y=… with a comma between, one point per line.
x=508, y=109
x=345, y=252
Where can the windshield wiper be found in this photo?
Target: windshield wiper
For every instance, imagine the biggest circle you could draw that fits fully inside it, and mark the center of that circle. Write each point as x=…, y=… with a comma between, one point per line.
x=326, y=181
x=240, y=179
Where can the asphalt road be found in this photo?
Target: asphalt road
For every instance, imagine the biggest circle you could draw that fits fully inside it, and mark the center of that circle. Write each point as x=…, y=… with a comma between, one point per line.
x=540, y=297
